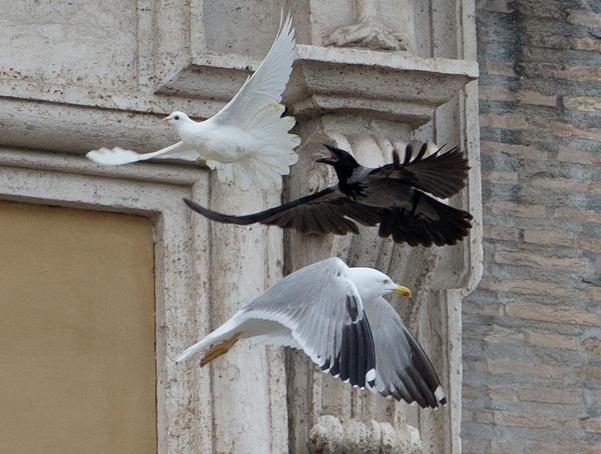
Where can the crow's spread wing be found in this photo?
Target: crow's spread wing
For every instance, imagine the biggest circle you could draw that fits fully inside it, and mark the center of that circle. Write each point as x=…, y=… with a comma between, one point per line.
x=441, y=175
x=326, y=211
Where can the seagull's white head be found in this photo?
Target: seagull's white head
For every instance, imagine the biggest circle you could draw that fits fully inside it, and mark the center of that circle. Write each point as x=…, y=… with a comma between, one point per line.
x=372, y=283
x=176, y=118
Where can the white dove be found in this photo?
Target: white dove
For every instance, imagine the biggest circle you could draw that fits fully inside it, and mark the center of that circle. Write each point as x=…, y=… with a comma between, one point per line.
x=246, y=142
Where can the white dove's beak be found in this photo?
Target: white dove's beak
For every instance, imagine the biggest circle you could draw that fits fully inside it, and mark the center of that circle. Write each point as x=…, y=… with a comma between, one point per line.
x=164, y=120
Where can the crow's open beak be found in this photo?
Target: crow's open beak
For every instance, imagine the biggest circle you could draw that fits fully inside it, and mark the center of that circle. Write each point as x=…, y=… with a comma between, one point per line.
x=333, y=155
x=329, y=161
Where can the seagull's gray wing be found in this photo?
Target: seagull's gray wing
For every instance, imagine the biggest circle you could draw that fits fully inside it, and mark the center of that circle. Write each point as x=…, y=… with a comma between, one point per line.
x=403, y=370
x=323, y=310
x=442, y=175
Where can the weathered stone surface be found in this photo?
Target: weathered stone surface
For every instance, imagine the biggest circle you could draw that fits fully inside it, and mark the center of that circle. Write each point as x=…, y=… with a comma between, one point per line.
x=533, y=324
x=77, y=75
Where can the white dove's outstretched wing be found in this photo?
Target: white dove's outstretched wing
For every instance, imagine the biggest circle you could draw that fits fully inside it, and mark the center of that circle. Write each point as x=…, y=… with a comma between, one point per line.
x=118, y=156
x=256, y=109
x=266, y=85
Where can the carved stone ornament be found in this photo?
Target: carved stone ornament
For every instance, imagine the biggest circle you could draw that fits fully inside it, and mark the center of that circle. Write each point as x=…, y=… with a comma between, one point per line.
x=370, y=31
x=332, y=436
x=193, y=55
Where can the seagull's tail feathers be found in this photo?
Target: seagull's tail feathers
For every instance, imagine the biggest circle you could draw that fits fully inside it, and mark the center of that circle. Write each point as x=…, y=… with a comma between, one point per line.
x=428, y=222
x=274, y=154
x=215, y=344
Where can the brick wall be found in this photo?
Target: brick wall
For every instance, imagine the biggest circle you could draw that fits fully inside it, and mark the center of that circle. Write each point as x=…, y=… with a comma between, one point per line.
x=532, y=330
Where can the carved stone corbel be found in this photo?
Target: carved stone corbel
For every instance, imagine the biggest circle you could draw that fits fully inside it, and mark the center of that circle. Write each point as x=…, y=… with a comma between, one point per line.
x=372, y=32
x=330, y=435
x=312, y=393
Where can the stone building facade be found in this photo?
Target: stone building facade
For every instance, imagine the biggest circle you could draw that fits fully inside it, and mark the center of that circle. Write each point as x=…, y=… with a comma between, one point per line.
x=532, y=330
x=369, y=75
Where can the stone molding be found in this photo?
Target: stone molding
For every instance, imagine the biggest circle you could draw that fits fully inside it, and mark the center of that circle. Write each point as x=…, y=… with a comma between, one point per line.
x=364, y=100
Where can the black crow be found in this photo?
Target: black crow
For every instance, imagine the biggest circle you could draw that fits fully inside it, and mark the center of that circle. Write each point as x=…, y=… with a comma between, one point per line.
x=393, y=196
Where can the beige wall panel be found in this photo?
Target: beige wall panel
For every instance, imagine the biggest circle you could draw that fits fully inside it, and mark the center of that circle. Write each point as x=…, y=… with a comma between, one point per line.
x=77, y=336
x=81, y=43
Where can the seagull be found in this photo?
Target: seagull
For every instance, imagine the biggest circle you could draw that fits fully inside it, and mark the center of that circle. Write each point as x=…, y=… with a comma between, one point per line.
x=337, y=316
x=395, y=196
x=246, y=142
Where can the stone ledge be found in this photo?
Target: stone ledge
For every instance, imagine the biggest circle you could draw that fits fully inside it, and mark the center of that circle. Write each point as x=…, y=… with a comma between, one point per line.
x=325, y=79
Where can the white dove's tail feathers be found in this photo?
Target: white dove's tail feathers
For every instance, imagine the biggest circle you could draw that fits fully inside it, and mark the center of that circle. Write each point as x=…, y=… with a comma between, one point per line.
x=274, y=151
x=274, y=154
x=226, y=333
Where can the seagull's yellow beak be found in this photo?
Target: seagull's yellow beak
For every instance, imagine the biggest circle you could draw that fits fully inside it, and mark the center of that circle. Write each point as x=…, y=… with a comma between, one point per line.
x=402, y=291
x=165, y=119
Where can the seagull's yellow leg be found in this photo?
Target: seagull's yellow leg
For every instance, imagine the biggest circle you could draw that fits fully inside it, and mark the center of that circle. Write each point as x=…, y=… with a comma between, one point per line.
x=220, y=349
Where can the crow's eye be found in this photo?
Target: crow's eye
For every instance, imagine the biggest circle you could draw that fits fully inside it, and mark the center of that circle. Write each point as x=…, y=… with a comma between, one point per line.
x=177, y=117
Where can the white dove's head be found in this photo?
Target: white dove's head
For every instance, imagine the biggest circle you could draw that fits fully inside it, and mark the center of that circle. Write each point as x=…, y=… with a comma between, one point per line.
x=176, y=118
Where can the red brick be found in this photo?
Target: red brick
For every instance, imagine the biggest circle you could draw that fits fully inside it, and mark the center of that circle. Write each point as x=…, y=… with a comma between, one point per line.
x=564, y=447
x=592, y=345
x=549, y=237
x=554, y=314
x=483, y=309
x=517, y=209
x=593, y=293
x=567, y=185
x=550, y=340
x=500, y=6
x=493, y=93
x=585, y=17
x=583, y=103
x=500, y=335
x=504, y=121
x=501, y=393
x=500, y=177
x=550, y=395
x=499, y=232
x=537, y=99
x=474, y=446
x=578, y=215
x=593, y=425
x=535, y=420
x=540, y=261
x=498, y=68
x=588, y=373
x=581, y=157
x=523, y=151
x=525, y=286
x=578, y=73
x=590, y=44
x=510, y=367
x=567, y=130
x=589, y=243
x=472, y=392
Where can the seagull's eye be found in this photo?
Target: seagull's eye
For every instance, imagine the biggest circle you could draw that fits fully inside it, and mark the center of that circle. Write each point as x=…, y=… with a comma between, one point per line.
x=176, y=117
